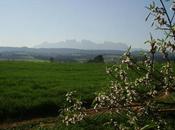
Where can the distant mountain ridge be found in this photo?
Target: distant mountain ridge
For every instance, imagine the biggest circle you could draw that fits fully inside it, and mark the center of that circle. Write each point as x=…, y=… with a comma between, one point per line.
x=84, y=45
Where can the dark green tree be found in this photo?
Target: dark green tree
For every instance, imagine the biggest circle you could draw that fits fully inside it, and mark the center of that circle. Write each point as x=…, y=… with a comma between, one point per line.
x=97, y=59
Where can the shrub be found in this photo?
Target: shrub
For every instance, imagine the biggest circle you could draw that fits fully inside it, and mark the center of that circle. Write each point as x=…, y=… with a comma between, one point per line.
x=97, y=59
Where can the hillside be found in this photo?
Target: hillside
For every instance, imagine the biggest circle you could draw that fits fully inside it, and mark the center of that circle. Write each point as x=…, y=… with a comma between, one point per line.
x=59, y=54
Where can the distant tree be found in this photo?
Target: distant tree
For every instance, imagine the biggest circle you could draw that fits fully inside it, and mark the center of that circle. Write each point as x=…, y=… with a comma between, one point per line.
x=97, y=59
x=51, y=59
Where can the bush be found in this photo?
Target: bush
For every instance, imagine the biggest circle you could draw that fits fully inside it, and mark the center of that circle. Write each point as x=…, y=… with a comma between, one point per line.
x=97, y=59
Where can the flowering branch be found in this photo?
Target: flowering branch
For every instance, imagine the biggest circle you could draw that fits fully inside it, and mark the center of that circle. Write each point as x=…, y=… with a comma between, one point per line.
x=138, y=97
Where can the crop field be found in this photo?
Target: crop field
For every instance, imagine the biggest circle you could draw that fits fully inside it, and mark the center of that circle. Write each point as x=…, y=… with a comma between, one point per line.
x=33, y=93
x=29, y=89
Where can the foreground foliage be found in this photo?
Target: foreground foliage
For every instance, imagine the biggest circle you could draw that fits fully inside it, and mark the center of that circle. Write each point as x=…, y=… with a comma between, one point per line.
x=141, y=100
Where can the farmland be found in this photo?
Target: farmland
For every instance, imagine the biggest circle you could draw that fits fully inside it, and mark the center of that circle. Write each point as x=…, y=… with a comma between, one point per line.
x=33, y=93
x=30, y=89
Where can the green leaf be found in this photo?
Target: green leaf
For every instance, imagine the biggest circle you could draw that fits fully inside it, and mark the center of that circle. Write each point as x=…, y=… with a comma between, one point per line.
x=151, y=36
x=147, y=127
x=152, y=24
x=147, y=17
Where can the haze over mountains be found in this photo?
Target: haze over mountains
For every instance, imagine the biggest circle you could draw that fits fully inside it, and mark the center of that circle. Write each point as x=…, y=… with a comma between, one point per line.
x=66, y=51
x=84, y=44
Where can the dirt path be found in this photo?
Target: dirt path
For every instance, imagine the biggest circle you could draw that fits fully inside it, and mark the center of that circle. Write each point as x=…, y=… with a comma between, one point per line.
x=50, y=121
x=35, y=121
x=47, y=121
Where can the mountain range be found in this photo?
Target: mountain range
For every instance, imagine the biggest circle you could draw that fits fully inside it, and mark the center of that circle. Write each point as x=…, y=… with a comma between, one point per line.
x=84, y=45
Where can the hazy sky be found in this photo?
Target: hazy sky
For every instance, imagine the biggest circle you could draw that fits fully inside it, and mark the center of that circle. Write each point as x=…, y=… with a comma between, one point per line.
x=31, y=22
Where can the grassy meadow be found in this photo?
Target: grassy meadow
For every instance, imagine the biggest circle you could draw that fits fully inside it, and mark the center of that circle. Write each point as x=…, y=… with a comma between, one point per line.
x=29, y=89
x=32, y=90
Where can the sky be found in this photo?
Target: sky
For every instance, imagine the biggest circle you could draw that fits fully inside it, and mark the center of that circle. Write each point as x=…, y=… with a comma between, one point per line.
x=31, y=22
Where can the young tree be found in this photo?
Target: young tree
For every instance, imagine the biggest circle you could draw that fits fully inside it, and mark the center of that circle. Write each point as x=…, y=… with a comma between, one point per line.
x=138, y=92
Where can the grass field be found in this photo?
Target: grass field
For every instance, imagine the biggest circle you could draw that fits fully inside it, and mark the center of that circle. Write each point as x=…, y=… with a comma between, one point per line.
x=30, y=89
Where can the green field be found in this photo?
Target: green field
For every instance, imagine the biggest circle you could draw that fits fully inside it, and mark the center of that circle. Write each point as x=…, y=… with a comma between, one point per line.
x=30, y=89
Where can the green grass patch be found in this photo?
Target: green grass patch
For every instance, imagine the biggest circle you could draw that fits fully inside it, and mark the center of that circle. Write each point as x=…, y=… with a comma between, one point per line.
x=38, y=88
